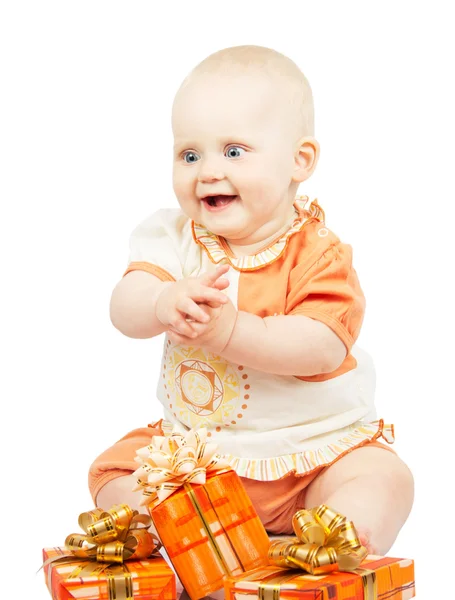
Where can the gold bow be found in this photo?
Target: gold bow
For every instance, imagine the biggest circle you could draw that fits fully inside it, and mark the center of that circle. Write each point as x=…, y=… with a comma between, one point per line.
x=325, y=542
x=171, y=461
x=111, y=537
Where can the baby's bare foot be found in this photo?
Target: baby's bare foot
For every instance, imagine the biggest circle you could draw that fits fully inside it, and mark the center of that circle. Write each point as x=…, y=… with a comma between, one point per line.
x=365, y=540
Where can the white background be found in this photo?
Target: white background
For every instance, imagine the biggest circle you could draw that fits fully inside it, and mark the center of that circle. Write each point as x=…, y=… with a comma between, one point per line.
x=86, y=154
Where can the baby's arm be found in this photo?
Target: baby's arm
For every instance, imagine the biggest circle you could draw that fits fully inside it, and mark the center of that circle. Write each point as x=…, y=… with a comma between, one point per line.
x=284, y=345
x=143, y=306
x=132, y=307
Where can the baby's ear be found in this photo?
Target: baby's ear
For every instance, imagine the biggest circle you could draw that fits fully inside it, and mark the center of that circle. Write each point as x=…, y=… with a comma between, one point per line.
x=305, y=158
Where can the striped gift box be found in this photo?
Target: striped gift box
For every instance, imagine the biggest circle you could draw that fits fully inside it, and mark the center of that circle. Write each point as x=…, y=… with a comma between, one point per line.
x=151, y=579
x=210, y=531
x=378, y=578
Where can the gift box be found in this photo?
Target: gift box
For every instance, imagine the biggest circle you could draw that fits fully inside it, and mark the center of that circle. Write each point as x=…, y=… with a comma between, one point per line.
x=116, y=558
x=210, y=531
x=377, y=578
x=147, y=578
x=201, y=511
x=182, y=594
x=325, y=561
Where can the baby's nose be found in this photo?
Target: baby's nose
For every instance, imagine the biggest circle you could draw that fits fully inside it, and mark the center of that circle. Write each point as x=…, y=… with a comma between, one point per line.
x=209, y=171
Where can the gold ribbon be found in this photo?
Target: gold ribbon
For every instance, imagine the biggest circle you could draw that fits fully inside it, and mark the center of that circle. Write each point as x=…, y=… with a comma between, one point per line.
x=325, y=542
x=272, y=583
x=111, y=537
x=171, y=461
x=208, y=530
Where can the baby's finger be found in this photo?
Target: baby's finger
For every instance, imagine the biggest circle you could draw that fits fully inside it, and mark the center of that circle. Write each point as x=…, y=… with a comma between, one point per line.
x=180, y=325
x=221, y=284
x=209, y=294
x=176, y=338
x=204, y=295
x=199, y=329
x=214, y=304
x=209, y=279
x=194, y=311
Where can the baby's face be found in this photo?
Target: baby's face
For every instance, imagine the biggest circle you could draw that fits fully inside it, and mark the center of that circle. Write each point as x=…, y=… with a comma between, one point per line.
x=234, y=156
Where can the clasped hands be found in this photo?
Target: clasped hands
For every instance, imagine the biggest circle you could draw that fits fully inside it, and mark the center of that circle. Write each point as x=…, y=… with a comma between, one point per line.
x=195, y=309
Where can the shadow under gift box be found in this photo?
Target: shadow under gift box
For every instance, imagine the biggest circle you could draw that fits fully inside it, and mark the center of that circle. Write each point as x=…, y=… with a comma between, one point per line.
x=151, y=579
x=211, y=531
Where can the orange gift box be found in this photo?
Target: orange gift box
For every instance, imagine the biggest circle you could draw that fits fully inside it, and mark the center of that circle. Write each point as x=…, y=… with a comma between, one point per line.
x=377, y=578
x=150, y=578
x=210, y=531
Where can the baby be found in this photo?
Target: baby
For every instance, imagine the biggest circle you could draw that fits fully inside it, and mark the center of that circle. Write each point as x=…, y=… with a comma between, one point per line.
x=261, y=308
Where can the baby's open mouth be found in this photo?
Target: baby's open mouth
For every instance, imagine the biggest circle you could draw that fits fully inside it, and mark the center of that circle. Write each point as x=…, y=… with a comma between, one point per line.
x=218, y=201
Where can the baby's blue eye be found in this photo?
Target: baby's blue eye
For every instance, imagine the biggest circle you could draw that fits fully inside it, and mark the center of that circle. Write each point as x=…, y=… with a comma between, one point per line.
x=234, y=152
x=190, y=157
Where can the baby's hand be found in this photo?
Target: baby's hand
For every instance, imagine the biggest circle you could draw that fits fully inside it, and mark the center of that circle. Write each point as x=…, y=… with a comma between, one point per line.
x=213, y=334
x=179, y=301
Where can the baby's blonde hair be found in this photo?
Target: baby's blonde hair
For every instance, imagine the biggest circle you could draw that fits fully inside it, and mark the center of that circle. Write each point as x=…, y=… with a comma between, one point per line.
x=274, y=65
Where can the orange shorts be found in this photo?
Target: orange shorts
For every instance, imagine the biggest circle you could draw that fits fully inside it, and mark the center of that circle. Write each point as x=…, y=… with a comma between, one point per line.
x=275, y=501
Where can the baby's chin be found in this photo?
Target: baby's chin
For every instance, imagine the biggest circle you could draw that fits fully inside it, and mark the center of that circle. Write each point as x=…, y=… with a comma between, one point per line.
x=230, y=229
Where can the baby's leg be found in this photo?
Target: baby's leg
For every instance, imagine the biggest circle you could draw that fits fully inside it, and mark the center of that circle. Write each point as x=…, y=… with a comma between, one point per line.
x=371, y=487
x=119, y=491
x=110, y=480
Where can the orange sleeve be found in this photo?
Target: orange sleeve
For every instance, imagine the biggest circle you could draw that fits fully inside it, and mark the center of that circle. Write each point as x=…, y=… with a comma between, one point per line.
x=162, y=274
x=328, y=290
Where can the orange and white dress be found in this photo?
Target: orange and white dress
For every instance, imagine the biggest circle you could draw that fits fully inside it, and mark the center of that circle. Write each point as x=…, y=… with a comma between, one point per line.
x=266, y=425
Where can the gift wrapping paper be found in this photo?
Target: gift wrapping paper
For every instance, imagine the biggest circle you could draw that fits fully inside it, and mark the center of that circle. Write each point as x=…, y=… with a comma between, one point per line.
x=151, y=578
x=182, y=594
x=210, y=531
x=377, y=578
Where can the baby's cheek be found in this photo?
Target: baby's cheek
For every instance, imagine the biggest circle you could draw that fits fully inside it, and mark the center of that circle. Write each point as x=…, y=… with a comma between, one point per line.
x=254, y=190
x=180, y=186
x=183, y=181
x=186, y=198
